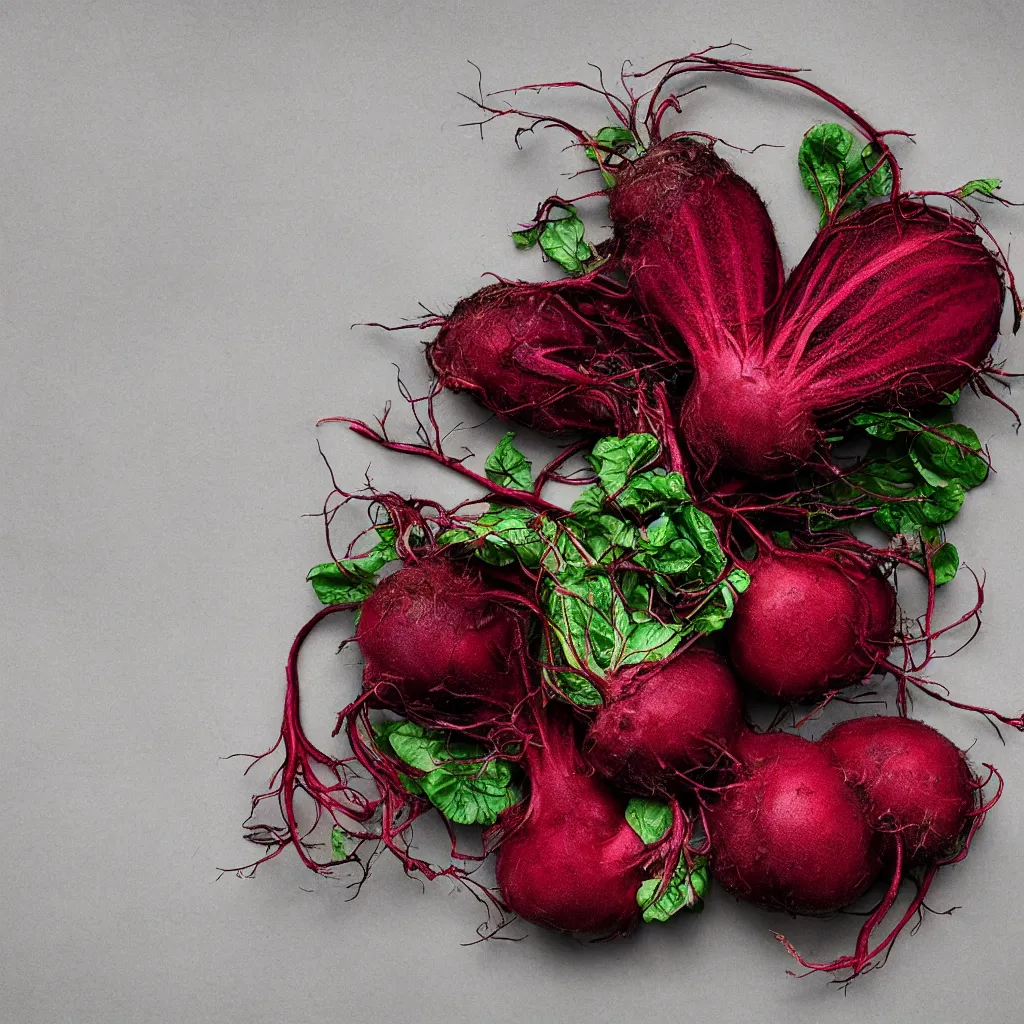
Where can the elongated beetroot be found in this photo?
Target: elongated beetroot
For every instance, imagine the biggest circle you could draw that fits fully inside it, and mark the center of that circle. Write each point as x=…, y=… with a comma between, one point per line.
x=664, y=720
x=697, y=245
x=790, y=834
x=810, y=622
x=890, y=307
x=433, y=633
x=916, y=783
x=569, y=859
x=556, y=356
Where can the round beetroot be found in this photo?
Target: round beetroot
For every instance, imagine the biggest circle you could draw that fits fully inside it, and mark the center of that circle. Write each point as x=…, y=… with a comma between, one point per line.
x=915, y=782
x=432, y=632
x=790, y=834
x=810, y=622
x=569, y=859
x=665, y=719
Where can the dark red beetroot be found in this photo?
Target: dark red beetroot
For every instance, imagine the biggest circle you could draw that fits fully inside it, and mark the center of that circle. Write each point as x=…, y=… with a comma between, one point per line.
x=810, y=623
x=569, y=860
x=432, y=633
x=557, y=356
x=790, y=834
x=697, y=245
x=915, y=782
x=664, y=720
x=889, y=308
x=922, y=799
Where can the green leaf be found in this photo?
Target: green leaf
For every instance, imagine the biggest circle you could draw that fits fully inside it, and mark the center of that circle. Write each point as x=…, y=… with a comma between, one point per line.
x=502, y=536
x=578, y=690
x=985, y=186
x=822, y=164
x=353, y=579
x=950, y=397
x=471, y=794
x=652, y=641
x=464, y=785
x=830, y=164
x=945, y=563
x=338, y=851
x=616, y=138
x=562, y=241
x=649, y=819
x=616, y=459
x=507, y=466
x=939, y=460
x=528, y=238
x=685, y=891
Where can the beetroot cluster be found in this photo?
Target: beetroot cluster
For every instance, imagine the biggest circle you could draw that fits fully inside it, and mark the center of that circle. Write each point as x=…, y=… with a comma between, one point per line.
x=580, y=682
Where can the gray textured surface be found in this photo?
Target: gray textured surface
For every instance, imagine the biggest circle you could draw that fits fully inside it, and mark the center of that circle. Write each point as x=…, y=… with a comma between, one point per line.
x=197, y=199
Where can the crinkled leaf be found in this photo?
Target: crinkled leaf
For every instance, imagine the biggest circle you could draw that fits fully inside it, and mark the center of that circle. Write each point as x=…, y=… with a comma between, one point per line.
x=685, y=891
x=338, y=851
x=718, y=609
x=880, y=182
x=353, y=579
x=457, y=779
x=649, y=819
x=830, y=164
x=501, y=536
x=940, y=462
x=614, y=137
x=528, y=238
x=562, y=241
x=822, y=163
x=651, y=490
x=471, y=794
x=507, y=466
x=984, y=186
x=578, y=690
x=651, y=641
x=945, y=563
x=616, y=459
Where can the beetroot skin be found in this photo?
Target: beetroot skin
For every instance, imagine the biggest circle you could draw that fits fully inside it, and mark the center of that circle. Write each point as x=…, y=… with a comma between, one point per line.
x=432, y=633
x=557, y=357
x=663, y=720
x=889, y=308
x=697, y=245
x=810, y=623
x=790, y=834
x=915, y=782
x=569, y=859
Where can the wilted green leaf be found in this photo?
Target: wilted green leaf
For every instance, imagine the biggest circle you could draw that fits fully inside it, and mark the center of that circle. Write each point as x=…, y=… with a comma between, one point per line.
x=507, y=466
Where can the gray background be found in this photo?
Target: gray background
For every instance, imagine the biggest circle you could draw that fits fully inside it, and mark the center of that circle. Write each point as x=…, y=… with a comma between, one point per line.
x=197, y=200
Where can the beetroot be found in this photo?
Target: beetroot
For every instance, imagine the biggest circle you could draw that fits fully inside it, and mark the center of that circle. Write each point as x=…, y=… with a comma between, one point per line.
x=569, y=859
x=433, y=633
x=889, y=308
x=916, y=784
x=790, y=834
x=663, y=720
x=697, y=245
x=559, y=356
x=810, y=622
x=923, y=801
